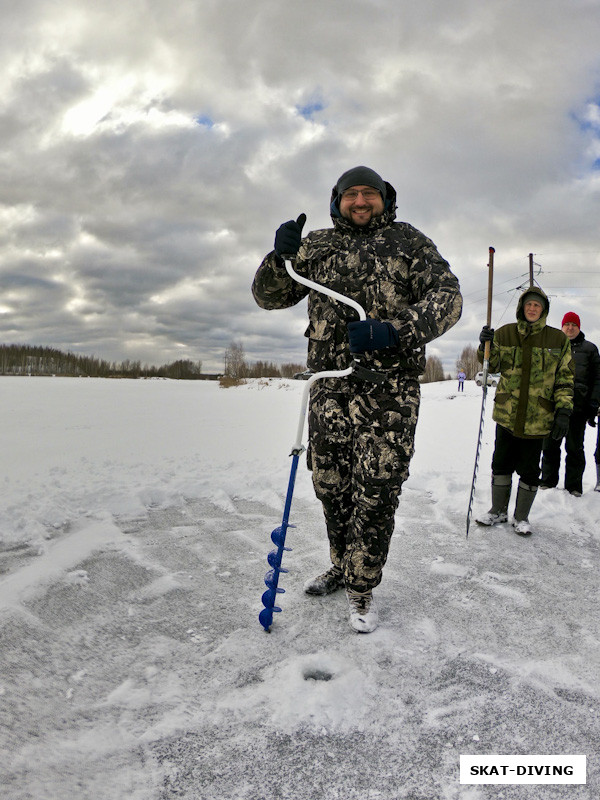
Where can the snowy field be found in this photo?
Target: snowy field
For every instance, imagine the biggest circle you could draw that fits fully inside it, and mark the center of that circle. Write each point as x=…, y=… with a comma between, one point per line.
x=135, y=522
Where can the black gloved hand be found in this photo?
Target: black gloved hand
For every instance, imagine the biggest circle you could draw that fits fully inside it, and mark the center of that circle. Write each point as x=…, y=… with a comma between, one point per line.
x=289, y=236
x=371, y=334
x=592, y=414
x=486, y=335
x=561, y=424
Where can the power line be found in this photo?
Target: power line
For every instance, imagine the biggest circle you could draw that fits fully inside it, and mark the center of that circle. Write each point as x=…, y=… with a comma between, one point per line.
x=571, y=272
x=571, y=253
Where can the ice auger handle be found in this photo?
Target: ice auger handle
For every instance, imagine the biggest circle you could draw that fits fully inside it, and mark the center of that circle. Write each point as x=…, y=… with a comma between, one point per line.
x=356, y=366
x=325, y=290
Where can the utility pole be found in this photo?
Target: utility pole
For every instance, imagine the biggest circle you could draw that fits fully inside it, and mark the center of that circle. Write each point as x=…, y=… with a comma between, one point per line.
x=530, y=270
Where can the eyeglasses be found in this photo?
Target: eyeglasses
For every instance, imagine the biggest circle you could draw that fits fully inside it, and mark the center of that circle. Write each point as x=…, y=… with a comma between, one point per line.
x=368, y=194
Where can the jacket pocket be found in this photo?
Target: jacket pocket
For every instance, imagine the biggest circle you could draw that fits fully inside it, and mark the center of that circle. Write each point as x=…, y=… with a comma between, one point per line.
x=550, y=358
x=547, y=405
x=320, y=330
x=322, y=322
x=324, y=350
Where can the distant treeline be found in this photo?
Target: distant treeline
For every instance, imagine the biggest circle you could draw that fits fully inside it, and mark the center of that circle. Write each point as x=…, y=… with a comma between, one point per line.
x=18, y=359
x=266, y=369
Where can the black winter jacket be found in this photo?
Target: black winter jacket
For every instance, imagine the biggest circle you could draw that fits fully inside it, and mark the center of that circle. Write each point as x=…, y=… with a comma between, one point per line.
x=587, y=375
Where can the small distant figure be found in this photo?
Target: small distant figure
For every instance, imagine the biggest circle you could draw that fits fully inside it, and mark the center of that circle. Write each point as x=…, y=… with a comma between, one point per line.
x=461, y=381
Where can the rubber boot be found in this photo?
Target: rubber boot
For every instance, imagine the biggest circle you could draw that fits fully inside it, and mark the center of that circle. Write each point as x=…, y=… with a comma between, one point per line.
x=597, y=486
x=498, y=513
x=525, y=497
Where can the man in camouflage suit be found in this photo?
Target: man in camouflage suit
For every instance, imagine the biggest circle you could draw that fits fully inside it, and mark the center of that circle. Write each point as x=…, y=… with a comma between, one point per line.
x=361, y=433
x=534, y=399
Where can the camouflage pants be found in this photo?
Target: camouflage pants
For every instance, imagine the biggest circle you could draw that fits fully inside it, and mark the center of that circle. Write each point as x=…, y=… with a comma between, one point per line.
x=361, y=440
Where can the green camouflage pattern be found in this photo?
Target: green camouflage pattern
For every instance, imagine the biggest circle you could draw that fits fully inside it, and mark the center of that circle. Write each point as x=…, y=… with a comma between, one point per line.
x=360, y=447
x=390, y=268
x=537, y=373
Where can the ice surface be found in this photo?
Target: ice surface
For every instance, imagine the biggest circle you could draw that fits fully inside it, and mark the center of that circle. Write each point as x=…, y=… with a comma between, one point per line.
x=134, y=529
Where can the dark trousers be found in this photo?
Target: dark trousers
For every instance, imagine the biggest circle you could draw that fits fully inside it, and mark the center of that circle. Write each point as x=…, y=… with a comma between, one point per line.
x=512, y=454
x=575, y=459
x=597, y=453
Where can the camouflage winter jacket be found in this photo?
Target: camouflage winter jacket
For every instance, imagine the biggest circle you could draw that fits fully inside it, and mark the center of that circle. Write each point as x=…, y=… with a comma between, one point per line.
x=536, y=373
x=390, y=268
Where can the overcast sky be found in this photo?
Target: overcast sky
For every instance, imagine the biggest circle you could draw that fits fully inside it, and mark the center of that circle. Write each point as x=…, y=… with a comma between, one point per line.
x=150, y=149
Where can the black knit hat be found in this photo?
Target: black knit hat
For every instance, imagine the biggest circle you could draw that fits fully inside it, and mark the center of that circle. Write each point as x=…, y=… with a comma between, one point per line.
x=360, y=176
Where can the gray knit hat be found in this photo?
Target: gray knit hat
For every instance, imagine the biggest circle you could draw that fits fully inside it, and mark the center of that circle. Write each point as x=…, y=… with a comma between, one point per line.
x=360, y=176
x=537, y=296
x=533, y=293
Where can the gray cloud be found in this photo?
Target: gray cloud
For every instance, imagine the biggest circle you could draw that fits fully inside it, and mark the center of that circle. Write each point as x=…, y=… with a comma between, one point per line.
x=150, y=151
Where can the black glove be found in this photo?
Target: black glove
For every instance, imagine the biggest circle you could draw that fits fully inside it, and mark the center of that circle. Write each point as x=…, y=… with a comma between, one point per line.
x=561, y=424
x=371, y=334
x=592, y=414
x=289, y=236
x=486, y=335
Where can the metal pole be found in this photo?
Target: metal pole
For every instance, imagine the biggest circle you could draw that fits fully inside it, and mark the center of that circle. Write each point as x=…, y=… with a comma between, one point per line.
x=486, y=357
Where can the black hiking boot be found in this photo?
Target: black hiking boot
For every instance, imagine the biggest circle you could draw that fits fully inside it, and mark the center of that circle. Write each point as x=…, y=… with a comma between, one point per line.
x=326, y=583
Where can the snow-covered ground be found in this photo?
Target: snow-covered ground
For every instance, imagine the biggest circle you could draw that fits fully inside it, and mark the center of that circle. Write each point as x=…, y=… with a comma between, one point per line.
x=135, y=522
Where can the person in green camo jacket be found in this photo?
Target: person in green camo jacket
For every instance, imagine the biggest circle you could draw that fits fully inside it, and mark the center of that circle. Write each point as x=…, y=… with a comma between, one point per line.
x=534, y=399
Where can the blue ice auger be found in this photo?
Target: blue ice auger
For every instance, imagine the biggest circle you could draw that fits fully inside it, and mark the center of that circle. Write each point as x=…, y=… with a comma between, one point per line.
x=278, y=535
